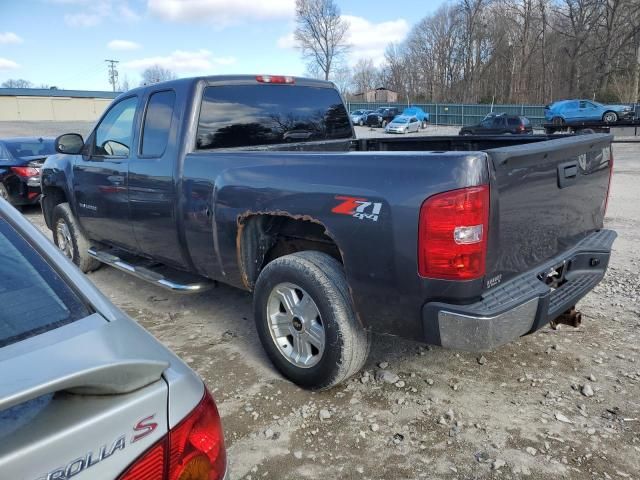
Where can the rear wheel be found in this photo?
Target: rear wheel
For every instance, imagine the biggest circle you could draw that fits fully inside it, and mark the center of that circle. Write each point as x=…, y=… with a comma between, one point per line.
x=306, y=322
x=71, y=240
x=384, y=123
x=610, y=117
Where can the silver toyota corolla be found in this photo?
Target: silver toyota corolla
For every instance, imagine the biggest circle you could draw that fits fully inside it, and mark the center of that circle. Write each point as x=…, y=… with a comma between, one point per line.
x=85, y=392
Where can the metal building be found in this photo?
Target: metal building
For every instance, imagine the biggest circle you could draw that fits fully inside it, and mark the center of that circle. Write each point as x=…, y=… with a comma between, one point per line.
x=38, y=104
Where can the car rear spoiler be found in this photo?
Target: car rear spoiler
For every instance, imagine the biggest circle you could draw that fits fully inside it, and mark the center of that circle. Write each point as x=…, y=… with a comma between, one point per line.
x=102, y=361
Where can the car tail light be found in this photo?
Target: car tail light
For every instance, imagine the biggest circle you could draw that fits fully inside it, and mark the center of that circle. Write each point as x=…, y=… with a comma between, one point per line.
x=452, y=234
x=275, y=79
x=192, y=450
x=606, y=200
x=26, y=172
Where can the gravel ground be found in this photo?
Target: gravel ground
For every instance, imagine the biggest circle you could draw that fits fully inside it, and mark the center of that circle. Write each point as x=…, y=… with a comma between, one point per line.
x=560, y=403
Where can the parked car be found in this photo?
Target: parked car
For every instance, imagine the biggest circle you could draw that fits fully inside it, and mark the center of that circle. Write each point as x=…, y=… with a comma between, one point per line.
x=359, y=117
x=381, y=116
x=418, y=113
x=86, y=392
x=403, y=124
x=567, y=112
x=499, y=124
x=20, y=162
x=465, y=243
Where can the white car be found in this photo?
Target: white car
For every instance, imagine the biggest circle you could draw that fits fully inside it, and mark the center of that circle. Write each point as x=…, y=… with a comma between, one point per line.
x=402, y=124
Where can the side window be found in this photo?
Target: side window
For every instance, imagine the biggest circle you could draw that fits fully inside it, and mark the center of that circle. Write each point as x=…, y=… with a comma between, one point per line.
x=115, y=132
x=498, y=122
x=157, y=123
x=486, y=123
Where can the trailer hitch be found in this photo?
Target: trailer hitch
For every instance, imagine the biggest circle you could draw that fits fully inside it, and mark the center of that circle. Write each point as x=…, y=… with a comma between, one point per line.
x=570, y=317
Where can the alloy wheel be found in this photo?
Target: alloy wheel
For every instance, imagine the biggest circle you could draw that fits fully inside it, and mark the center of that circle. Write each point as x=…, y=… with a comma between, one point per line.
x=295, y=325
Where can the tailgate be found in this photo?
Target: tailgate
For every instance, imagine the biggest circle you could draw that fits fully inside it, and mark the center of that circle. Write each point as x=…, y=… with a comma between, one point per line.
x=545, y=197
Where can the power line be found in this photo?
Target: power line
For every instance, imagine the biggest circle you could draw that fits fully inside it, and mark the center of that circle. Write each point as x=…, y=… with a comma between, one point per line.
x=113, y=73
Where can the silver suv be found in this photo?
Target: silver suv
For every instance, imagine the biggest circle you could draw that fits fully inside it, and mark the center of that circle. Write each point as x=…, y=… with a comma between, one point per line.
x=85, y=392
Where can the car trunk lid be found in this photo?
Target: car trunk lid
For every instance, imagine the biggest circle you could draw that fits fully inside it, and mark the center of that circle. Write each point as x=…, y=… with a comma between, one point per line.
x=76, y=397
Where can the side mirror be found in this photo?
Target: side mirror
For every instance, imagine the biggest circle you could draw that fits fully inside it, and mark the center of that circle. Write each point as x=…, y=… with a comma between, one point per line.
x=69, y=143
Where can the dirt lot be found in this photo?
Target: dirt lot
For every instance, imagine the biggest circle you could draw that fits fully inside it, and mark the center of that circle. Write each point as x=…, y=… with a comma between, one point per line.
x=556, y=404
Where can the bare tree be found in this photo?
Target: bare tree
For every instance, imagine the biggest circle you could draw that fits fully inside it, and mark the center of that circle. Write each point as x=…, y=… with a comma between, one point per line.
x=520, y=51
x=364, y=75
x=321, y=34
x=17, y=83
x=156, y=74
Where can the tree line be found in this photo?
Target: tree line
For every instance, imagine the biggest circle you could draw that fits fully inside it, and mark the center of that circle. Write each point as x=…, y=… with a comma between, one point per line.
x=502, y=51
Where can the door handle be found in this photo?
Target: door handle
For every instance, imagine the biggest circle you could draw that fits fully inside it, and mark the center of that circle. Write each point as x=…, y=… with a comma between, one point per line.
x=567, y=174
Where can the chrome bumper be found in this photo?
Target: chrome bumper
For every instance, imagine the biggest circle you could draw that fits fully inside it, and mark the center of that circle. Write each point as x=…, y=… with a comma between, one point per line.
x=521, y=305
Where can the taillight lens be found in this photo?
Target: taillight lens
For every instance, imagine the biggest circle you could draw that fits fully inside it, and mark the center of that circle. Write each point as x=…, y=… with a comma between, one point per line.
x=606, y=201
x=192, y=450
x=197, y=445
x=452, y=234
x=26, y=172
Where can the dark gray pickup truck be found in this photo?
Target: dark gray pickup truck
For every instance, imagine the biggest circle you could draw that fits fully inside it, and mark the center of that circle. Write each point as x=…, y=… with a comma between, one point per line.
x=259, y=182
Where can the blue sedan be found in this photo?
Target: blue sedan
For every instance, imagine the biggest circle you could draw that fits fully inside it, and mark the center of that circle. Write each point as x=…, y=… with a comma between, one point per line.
x=566, y=112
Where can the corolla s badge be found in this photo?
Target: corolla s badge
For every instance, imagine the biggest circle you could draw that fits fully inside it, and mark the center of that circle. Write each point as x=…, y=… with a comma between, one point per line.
x=141, y=429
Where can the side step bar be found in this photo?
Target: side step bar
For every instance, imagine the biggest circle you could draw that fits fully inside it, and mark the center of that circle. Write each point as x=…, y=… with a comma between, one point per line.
x=158, y=274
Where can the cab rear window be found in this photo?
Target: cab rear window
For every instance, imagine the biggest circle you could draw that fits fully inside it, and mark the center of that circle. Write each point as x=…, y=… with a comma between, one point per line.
x=249, y=115
x=33, y=297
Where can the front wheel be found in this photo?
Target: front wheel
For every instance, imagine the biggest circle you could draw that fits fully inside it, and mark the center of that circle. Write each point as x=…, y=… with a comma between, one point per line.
x=306, y=322
x=610, y=117
x=70, y=239
x=361, y=123
x=558, y=121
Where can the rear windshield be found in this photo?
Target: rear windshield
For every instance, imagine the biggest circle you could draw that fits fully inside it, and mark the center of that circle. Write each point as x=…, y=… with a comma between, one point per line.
x=33, y=297
x=513, y=122
x=30, y=148
x=247, y=115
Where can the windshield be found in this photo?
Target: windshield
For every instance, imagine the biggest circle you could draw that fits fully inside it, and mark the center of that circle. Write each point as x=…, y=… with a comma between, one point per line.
x=400, y=120
x=33, y=297
x=30, y=148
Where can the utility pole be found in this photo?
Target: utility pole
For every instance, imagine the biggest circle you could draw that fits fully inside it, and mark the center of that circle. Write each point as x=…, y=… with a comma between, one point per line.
x=113, y=73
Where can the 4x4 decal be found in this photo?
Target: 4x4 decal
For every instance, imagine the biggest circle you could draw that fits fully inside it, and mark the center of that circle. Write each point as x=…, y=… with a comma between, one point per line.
x=360, y=208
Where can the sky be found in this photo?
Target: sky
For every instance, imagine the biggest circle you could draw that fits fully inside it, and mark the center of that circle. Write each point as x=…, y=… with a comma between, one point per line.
x=66, y=42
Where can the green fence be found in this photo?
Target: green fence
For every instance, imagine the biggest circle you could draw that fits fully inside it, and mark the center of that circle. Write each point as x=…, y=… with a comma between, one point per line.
x=458, y=114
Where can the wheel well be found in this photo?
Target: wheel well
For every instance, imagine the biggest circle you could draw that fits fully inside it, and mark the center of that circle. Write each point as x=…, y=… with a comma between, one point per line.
x=52, y=196
x=265, y=237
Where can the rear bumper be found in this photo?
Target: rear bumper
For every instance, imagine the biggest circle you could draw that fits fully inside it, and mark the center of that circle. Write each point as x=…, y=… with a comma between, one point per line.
x=523, y=304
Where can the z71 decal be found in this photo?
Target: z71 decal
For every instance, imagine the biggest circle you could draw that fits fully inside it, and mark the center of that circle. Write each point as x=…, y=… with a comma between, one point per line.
x=360, y=208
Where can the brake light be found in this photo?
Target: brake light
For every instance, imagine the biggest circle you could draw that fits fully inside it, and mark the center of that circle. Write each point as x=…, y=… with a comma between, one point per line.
x=606, y=200
x=192, y=450
x=452, y=234
x=275, y=79
x=26, y=172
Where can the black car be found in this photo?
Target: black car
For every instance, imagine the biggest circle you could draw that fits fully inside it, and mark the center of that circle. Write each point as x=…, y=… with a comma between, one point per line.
x=20, y=162
x=382, y=116
x=499, y=124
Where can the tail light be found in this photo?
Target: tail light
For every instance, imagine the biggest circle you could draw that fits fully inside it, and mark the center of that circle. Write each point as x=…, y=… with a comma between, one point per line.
x=521, y=128
x=452, y=234
x=192, y=450
x=274, y=79
x=606, y=200
x=26, y=172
